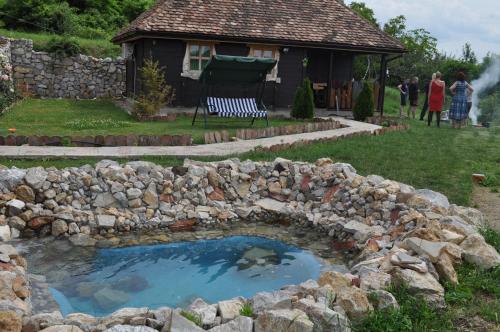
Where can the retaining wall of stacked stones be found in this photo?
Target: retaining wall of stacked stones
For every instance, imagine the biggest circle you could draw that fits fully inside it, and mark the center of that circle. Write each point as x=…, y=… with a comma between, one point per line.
x=397, y=235
x=80, y=76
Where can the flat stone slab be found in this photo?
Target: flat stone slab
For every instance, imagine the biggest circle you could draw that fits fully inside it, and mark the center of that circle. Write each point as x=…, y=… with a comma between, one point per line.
x=218, y=149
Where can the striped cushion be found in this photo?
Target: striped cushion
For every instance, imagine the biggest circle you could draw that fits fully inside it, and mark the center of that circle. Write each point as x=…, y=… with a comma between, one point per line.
x=235, y=107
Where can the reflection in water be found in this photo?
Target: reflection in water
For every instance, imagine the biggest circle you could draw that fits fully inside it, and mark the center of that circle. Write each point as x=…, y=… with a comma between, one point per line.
x=175, y=274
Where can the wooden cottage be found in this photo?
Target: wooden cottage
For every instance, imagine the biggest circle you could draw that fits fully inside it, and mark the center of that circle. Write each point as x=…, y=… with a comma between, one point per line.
x=314, y=38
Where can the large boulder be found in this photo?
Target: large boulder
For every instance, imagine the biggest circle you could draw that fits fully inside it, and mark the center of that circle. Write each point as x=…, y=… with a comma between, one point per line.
x=129, y=328
x=108, y=298
x=354, y=302
x=239, y=324
x=35, y=177
x=181, y=324
x=59, y=227
x=283, y=320
x=324, y=318
x=420, y=284
x=334, y=279
x=271, y=300
x=478, y=252
x=10, y=321
x=428, y=198
x=11, y=178
x=229, y=309
x=205, y=311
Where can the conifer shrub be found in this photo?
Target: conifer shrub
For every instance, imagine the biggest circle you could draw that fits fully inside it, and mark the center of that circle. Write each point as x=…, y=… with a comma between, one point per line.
x=156, y=93
x=364, y=104
x=303, y=103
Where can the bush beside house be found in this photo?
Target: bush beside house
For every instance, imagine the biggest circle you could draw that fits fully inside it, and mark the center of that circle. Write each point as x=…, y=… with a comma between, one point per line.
x=364, y=104
x=303, y=103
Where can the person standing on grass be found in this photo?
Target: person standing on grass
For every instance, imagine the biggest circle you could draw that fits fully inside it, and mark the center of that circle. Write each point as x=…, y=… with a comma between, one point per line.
x=413, y=96
x=459, y=109
x=427, y=86
x=436, y=98
x=403, y=91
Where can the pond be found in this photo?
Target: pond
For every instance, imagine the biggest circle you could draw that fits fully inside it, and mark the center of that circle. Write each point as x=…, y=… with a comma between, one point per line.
x=104, y=280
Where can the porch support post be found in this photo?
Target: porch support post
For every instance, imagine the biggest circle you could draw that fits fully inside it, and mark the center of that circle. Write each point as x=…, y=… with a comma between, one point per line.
x=330, y=81
x=383, y=76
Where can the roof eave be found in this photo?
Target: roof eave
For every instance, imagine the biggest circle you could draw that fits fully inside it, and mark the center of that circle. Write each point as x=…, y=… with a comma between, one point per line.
x=138, y=34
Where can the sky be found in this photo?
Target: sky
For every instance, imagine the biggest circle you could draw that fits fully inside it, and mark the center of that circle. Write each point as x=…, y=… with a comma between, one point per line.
x=452, y=22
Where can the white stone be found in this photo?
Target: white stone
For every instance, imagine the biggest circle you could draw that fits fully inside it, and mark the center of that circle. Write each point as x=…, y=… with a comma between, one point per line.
x=271, y=205
x=239, y=324
x=229, y=309
x=5, y=233
x=283, y=321
x=106, y=221
x=35, y=177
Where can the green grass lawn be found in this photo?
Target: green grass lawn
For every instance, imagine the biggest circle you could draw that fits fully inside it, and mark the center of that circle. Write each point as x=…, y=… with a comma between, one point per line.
x=100, y=48
x=63, y=117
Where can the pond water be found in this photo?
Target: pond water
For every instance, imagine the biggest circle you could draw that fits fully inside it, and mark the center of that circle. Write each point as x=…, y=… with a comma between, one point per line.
x=175, y=274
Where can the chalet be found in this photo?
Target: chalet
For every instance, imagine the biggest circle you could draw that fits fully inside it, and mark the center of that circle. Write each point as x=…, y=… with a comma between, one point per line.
x=314, y=38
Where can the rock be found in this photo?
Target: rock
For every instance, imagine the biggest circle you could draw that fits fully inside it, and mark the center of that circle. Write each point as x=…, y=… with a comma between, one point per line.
x=423, y=247
x=83, y=321
x=106, y=221
x=25, y=193
x=10, y=321
x=41, y=321
x=420, y=283
x=469, y=215
x=239, y=324
x=8, y=250
x=271, y=205
x=35, y=177
x=353, y=301
x=361, y=231
x=59, y=227
x=130, y=328
x=271, y=300
x=182, y=324
x=17, y=223
x=151, y=196
x=478, y=252
x=127, y=314
x=108, y=298
x=11, y=178
x=324, y=318
x=62, y=328
x=38, y=222
x=372, y=280
x=15, y=207
x=5, y=233
x=334, y=279
x=383, y=300
x=134, y=193
x=283, y=321
x=428, y=198
x=449, y=236
x=104, y=200
x=457, y=225
x=409, y=262
x=82, y=240
x=205, y=311
x=131, y=283
x=445, y=269
x=229, y=309
x=183, y=226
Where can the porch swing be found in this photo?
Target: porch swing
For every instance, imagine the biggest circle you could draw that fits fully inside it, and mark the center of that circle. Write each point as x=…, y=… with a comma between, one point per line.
x=225, y=71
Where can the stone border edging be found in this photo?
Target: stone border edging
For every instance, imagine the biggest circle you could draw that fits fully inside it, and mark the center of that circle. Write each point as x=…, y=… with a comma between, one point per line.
x=251, y=133
x=98, y=141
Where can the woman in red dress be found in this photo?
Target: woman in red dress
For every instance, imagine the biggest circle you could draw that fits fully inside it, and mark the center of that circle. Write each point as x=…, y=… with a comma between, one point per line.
x=436, y=98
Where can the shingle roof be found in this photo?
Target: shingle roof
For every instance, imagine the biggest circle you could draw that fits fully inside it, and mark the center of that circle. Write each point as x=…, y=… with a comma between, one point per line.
x=326, y=23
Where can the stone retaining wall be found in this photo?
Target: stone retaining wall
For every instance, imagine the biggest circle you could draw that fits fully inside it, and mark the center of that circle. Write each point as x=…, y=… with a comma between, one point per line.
x=46, y=75
x=395, y=234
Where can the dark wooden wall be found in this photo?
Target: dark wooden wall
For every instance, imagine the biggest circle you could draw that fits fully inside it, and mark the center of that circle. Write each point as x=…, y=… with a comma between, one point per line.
x=170, y=54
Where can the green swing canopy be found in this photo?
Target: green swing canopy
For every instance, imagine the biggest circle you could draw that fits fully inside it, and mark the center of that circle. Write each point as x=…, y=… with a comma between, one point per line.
x=236, y=69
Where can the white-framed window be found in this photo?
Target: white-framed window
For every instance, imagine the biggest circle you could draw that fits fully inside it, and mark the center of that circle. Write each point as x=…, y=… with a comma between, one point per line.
x=270, y=52
x=197, y=56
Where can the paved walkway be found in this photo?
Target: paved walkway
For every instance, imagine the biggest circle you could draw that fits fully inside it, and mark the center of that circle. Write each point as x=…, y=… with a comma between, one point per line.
x=219, y=149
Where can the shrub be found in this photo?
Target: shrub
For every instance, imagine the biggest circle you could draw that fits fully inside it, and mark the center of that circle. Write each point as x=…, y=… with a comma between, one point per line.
x=303, y=103
x=192, y=317
x=63, y=47
x=7, y=92
x=246, y=310
x=155, y=92
x=364, y=104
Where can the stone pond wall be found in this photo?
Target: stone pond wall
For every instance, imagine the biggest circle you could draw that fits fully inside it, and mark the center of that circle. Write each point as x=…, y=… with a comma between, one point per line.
x=392, y=232
x=47, y=75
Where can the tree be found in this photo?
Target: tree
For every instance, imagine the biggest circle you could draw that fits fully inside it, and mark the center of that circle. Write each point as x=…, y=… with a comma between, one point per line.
x=468, y=54
x=396, y=26
x=362, y=10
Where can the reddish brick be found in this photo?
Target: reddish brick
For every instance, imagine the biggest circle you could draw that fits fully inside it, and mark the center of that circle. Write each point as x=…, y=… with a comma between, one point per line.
x=39, y=222
x=328, y=196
